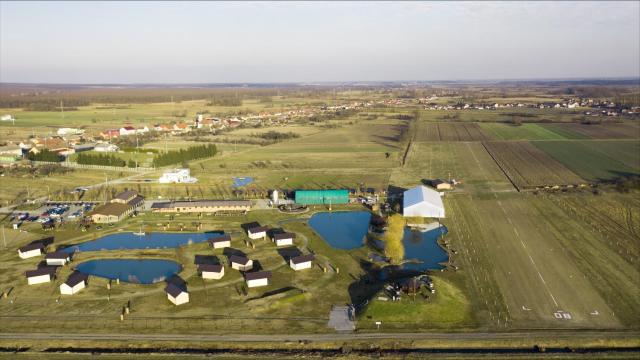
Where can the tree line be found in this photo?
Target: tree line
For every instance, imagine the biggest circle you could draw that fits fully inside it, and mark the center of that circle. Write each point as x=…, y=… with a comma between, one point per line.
x=184, y=155
x=100, y=159
x=45, y=155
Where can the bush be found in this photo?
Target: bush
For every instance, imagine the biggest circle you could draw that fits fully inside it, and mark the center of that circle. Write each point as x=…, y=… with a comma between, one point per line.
x=184, y=155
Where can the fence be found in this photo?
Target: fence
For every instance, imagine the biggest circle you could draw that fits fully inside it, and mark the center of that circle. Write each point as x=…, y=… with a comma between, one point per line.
x=75, y=165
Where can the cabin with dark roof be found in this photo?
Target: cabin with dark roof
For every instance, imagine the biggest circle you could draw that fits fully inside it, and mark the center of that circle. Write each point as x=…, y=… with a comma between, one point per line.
x=176, y=295
x=301, y=262
x=75, y=282
x=211, y=271
x=258, y=278
x=240, y=263
x=41, y=275
x=32, y=250
x=220, y=242
x=283, y=239
x=58, y=258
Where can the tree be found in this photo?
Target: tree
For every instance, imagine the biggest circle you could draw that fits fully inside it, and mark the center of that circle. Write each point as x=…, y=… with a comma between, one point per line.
x=393, y=247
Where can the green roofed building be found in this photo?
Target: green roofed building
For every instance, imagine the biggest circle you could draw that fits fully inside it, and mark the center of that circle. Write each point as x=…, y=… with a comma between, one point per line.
x=316, y=197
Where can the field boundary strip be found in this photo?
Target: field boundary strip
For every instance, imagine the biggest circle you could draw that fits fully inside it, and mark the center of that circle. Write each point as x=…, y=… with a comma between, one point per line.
x=500, y=166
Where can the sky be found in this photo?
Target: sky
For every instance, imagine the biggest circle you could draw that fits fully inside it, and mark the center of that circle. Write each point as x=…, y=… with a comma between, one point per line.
x=253, y=42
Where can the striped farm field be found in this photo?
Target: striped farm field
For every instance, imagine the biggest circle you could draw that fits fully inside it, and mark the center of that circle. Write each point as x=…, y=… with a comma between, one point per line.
x=529, y=167
x=599, y=131
x=596, y=160
x=453, y=131
x=502, y=131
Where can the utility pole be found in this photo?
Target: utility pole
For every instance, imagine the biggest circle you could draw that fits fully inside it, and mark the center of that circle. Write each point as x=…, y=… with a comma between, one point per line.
x=62, y=108
x=4, y=238
x=137, y=154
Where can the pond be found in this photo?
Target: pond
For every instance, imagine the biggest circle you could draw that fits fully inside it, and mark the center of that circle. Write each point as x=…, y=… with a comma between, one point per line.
x=423, y=247
x=138, y=271
x=342, y=229
x=148, y=241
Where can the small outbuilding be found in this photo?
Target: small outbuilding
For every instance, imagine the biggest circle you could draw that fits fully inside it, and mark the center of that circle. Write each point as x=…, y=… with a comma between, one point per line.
x=422, y=201
x=283, y=239
x=211, y=271
x=41, y=275
x=176, y=295
x=258, y=232
x=240, y=263
x=301, y=262
x=440, y=184
x=58, y=258
x=31, y=250
x=220, y=242
x=258, y=278
x=76, y=282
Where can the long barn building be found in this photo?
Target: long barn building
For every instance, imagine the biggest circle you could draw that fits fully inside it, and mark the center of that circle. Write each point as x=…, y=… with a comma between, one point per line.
x=203, y=206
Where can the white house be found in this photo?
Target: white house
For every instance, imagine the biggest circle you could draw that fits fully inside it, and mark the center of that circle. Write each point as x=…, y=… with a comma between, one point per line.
x=105, y=147
x=258, y=232
x=58, y=258
x=423, y=202
x=211, y=271
x=142, y=130
x=240, y=263
x=127, y=130
x=177, y=176
x=31, y=250
x=69, y=131
x=283, y=239
x=258, y=278
x=41, y=275
x=220, y=242
x=176, y=295
x=76, y=282
x=7, y=117
x=301, y=262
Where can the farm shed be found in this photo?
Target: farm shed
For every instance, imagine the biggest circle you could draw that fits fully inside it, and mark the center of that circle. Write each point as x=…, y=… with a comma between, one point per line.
x=211, y=271
x=318, y=197
x=76, y=282
x=220, y=242
x=240, y=263
x=283, y=239
x=301, y=262
x=31, y=250
x=58, y=258
x=422, y=202
x=176, y=295
x=440, y=184
x=258, y=278
x=41, y=275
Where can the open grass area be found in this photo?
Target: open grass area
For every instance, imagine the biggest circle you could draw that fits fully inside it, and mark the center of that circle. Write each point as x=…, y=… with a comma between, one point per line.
x=596, y=160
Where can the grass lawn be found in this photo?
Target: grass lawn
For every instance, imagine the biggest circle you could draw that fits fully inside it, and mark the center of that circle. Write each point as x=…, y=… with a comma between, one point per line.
x=448, y=307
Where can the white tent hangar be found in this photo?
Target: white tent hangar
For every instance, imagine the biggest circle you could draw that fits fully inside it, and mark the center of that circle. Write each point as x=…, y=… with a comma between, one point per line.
x=423, y=202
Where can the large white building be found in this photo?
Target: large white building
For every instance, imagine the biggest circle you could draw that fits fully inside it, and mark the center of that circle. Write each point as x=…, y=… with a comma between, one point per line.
x=70, y=131
x=177, y=176
x=422, y=202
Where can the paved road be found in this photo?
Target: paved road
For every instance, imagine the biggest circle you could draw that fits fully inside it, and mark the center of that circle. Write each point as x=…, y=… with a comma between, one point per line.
x=547, y=334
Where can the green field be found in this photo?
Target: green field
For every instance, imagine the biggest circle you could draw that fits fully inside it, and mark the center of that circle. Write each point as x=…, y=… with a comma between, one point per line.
x=596, y=160
x=521, y=132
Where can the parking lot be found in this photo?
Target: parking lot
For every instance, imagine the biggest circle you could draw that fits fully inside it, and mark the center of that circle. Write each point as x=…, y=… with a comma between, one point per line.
x=53, y=212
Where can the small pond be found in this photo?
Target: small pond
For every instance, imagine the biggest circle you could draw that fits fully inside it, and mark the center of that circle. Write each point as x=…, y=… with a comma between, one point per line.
x=138, y=271
x=148, y=241
x=342, y=229
x=423, y=247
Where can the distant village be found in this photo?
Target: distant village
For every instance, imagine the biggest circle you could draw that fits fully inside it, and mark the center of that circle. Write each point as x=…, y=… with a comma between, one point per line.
x=73, y=140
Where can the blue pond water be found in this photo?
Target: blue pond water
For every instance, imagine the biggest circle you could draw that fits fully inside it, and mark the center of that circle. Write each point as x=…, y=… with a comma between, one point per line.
x=342, y=229
x=143, y=271
x=423, y=246
x=241, y=181
x=149, y=241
